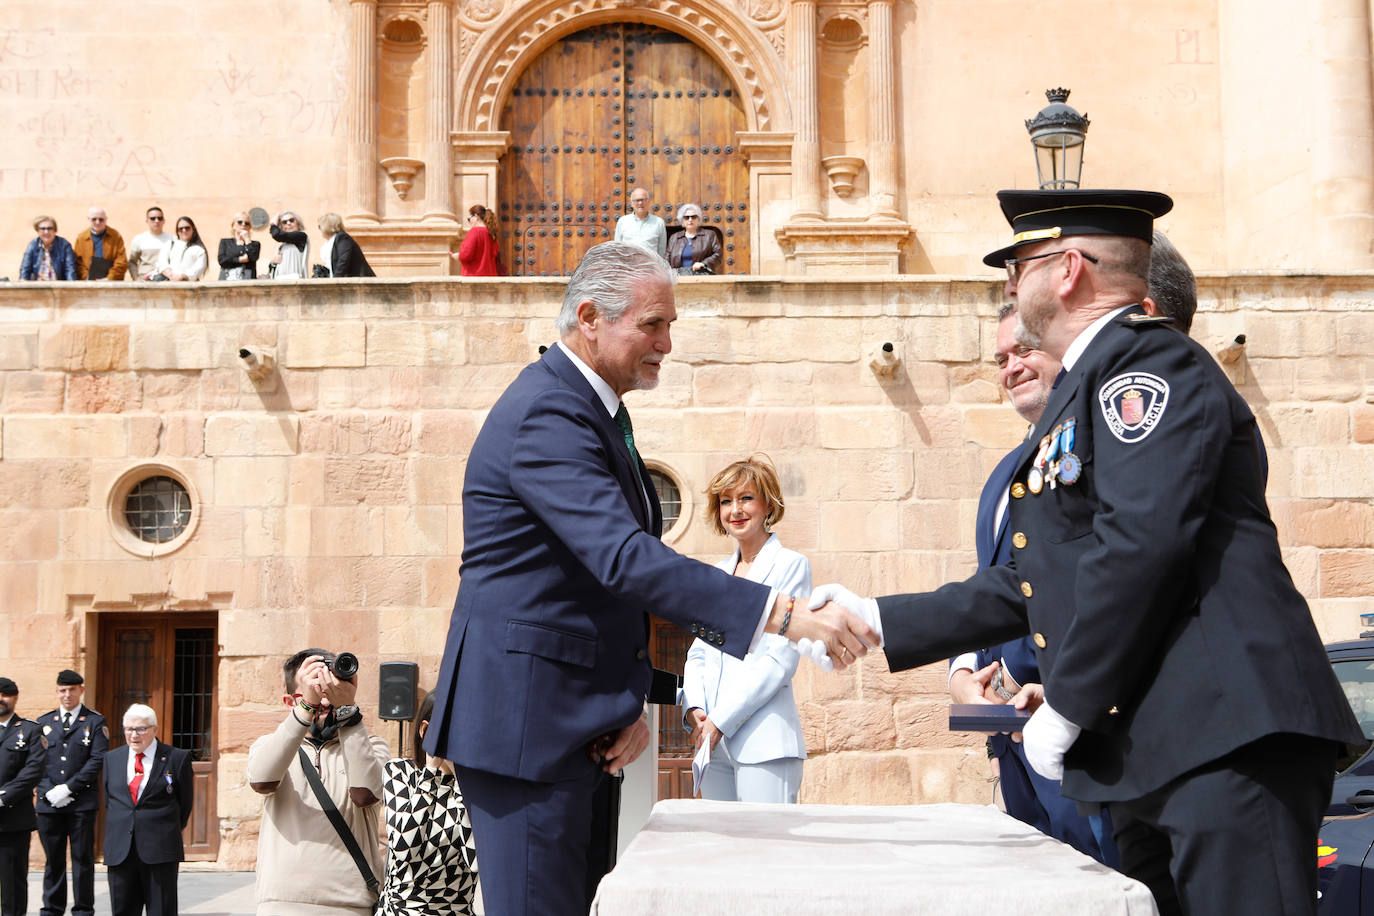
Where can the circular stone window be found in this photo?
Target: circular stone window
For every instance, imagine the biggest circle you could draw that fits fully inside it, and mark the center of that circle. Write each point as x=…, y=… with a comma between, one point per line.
x=676, y=504
x=153, y=510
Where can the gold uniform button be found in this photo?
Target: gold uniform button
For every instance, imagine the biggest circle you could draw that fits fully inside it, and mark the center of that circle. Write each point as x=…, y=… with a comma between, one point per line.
x=1039, y=640
x=1018, y=490
x=1026, y=589
x=1018, y=540
x=1113, y=711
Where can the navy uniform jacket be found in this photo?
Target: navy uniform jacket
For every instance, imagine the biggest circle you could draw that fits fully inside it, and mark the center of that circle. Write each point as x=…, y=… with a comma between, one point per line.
x=164, y=806
x=1165, y=622
x=21, y=766
x=548, y=644
x=73, y=757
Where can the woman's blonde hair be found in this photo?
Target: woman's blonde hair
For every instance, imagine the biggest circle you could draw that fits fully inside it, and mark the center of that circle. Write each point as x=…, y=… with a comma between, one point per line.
x=331, y=224
x=757, y=470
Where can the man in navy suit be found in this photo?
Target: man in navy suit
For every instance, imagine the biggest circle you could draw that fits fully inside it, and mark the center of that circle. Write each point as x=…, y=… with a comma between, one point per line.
x=68, y=795
x=1028, y=376
x=148, y=799
x=546, y=670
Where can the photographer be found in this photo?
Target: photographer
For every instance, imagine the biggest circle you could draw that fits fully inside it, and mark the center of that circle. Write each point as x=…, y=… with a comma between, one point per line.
x=305, y=865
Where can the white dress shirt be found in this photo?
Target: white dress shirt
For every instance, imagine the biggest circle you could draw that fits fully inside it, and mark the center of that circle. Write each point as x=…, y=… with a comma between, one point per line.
x=148, y=755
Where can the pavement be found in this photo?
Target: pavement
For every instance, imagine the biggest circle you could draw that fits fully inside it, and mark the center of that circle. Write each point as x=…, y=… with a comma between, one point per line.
x=199, y=891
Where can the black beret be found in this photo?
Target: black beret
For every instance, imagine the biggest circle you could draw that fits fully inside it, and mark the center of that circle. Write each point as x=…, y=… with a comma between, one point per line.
x=1039, y=215
x=8, y=688
x=69, y=678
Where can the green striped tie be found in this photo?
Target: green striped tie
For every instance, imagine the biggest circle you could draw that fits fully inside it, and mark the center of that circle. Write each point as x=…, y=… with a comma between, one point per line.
x=622, y=420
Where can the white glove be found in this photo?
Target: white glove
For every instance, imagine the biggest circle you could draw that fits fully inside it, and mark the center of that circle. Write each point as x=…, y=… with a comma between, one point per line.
x=866, y=609
x=1048, y=737
x=58, y=795
x=816, y=651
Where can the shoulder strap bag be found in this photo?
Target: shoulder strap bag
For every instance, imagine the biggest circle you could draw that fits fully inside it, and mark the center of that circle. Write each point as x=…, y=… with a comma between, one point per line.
x=332, y=812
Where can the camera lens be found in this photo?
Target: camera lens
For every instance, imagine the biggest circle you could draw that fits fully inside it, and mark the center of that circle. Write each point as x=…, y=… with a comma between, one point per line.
x=345, y=665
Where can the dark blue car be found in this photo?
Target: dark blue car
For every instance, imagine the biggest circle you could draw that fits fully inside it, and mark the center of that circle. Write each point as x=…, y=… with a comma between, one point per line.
x=1345, y=879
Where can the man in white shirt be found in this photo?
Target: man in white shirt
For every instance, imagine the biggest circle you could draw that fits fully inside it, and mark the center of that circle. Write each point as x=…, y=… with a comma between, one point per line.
x=641, y=227
x=144, y=250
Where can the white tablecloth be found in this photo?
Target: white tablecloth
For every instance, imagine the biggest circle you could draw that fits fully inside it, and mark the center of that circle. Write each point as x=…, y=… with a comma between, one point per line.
x=698, y=858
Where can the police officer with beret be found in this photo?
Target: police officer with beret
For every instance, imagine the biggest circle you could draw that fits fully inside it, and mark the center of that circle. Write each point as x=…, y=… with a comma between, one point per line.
x=68, y=795
x=21, y=765
x=1184, y=681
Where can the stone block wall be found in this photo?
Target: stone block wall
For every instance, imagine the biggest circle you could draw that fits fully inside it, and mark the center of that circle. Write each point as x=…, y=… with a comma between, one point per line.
x=330, y=490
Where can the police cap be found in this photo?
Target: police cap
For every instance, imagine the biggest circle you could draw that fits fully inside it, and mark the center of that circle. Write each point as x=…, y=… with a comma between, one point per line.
x=8, y=688
x=1039, y=215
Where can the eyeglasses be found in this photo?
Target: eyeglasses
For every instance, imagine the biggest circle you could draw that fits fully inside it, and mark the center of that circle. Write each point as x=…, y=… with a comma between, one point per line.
x=156, y=219
x=183, y=228
x=287, y=219
x=136, y=729
x=1013, y=264
x=690, y=216
x=47, y=228
x=240, y=222
x=97, y=219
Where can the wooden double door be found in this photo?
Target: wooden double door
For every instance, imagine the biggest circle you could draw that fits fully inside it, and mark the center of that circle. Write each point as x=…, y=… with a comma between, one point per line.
x=168, y=661
x=607, y=110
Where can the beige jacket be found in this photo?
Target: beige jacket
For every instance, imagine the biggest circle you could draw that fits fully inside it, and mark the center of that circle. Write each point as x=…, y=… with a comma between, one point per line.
x=303, y=867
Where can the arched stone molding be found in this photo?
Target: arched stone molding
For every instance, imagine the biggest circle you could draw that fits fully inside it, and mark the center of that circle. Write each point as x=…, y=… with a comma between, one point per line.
x=502, y=54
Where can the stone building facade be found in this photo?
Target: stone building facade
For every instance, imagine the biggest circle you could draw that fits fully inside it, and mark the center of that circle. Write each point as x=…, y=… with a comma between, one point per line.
x=844, y=134
x=326, y=490
x=849, y=151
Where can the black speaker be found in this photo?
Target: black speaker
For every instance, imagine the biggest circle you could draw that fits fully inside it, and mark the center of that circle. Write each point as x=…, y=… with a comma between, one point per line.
x=396, y=690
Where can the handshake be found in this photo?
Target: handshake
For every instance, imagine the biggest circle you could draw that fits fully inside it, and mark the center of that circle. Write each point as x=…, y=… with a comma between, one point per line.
x=841, y=628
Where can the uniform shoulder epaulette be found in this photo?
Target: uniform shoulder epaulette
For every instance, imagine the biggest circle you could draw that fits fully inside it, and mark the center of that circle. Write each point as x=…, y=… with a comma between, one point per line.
x=1139, y=320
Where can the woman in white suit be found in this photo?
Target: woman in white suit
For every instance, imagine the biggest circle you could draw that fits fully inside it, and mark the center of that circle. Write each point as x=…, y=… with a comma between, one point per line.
x=744, y=707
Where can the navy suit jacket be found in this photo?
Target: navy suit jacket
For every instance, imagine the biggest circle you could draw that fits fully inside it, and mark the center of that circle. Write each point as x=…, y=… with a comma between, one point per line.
x=548, y=644
x=154, y=826
x=994, y=549
x=1167, y=624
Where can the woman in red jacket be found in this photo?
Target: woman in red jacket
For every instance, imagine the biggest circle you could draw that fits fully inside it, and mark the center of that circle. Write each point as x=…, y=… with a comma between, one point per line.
x=479, y=255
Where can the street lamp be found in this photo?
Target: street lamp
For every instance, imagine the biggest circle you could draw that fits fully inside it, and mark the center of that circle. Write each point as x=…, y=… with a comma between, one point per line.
x=1057, y=133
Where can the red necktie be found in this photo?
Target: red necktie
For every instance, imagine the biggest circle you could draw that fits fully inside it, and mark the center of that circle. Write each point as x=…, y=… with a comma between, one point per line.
x=138, y=777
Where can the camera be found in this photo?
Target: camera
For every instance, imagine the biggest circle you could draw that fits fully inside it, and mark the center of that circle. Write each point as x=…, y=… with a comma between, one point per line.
x=343, y=666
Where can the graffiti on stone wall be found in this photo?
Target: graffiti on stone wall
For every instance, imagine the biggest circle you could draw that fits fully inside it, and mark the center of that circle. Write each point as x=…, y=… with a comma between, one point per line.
x=249, y=105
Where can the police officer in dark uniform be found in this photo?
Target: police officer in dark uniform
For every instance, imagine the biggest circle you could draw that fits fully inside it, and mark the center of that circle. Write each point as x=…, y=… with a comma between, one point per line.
x=68, y=795
x=21, y=765
x=1184, y=681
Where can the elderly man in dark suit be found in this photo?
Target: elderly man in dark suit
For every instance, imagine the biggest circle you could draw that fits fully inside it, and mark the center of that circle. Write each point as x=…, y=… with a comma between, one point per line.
x=21, y=766
x=544, y=677
x=148, y=799
x=1184, y=681
x=68, y=796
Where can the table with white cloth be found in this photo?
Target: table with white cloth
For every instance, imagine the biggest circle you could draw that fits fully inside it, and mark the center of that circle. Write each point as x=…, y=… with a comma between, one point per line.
x=697, y=857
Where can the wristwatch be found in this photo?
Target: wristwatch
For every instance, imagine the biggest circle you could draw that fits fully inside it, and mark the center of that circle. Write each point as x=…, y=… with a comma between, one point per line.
x=343, y=713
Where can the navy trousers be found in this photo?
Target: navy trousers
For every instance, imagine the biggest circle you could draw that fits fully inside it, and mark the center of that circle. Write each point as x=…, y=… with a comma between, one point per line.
x=533, y=840
x=1236, y=835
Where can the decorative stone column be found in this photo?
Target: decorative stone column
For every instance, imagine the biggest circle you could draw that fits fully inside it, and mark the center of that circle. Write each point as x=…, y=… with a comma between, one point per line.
x=882, y=113
x=806, y=152
x=1343, y=142
x=439, y=115
x=362, y=114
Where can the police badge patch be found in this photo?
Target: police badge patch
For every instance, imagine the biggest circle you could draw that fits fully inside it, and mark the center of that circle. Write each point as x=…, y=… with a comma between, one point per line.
x=1132, y=404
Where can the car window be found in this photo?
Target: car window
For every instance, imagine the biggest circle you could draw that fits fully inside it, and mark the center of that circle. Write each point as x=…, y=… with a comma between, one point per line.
x=1357, y=680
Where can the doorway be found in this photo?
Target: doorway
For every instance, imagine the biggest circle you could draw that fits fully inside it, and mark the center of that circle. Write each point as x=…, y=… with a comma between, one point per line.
x=169, y=661
x=606, y=110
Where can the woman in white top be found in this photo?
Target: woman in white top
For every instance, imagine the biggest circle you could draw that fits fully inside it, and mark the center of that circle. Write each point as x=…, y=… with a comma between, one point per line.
x=744, y=707
x=184, y=257
x=293, y=252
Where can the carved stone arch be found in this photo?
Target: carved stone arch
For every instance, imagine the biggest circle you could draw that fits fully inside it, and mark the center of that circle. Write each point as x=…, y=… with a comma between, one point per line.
x=501, y=55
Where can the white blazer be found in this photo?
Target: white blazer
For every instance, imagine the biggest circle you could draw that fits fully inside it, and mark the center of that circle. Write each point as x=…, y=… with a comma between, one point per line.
x=750, y=699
